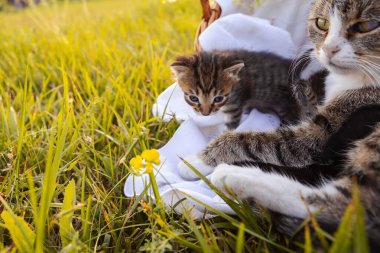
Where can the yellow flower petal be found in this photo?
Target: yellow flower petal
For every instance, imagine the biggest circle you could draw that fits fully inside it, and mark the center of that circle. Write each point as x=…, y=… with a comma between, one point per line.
x=157, y=161
x=136, y=163
x=151, y=155
x=149, y=168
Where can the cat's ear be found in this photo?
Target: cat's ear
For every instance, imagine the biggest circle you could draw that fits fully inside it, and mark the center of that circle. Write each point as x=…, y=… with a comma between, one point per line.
x=234, y=70
x=178, y=70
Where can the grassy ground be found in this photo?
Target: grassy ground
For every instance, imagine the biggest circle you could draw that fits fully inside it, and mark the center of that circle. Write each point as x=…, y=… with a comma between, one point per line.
x=77, y=84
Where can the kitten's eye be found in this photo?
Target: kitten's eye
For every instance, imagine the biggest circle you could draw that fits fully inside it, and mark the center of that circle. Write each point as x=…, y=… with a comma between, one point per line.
x=364, y=27
x=218, y=99
x=194, y=99
x=322, y=24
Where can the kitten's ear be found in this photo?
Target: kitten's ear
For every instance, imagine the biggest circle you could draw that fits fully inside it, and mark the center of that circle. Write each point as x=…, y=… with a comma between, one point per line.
x=183, y=65
x=178, y=69
x=234, y=70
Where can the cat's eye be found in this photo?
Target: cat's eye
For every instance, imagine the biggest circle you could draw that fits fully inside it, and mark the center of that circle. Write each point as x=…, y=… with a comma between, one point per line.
x=364, y=27
x=322, y=24
x=194, y=99
x=218, y=99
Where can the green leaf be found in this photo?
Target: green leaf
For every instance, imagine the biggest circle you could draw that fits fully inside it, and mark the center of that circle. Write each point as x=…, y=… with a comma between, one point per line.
x=12, y=122
x=54, y=157
x=65, y=221
x=240, y=239
x=342, y=240
x=360, y=239
x=308, y=242
x=22, y=235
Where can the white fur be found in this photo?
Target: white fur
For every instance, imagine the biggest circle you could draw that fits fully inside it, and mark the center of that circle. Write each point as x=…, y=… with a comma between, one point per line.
x=226, y=116
x=187, y=173
x=337, y=84
x=273, y=191
x=334, y=38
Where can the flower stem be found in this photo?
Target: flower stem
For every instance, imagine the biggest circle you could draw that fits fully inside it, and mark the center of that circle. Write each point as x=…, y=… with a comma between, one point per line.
x=157, y=193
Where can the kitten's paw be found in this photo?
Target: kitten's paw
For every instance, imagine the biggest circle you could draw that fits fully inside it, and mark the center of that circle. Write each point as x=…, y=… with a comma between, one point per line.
x=195, y=161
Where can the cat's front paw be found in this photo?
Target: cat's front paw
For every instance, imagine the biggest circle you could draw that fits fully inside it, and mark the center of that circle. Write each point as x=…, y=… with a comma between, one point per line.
x=230, y=180
x=186, y=172
x=224, y=149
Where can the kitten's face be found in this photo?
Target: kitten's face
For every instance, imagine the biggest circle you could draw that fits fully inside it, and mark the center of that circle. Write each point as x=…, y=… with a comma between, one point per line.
x=204, y=81
x=346, y=34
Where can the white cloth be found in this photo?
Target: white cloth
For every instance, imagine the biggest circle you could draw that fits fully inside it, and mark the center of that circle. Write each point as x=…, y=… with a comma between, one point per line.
x=186, y=141
x=279, y=26
x=255, y=35
x=289, y=15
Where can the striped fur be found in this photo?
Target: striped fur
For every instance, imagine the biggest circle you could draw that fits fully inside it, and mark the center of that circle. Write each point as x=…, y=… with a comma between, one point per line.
x=312, y=164
x=319, y=156
x=242, y=80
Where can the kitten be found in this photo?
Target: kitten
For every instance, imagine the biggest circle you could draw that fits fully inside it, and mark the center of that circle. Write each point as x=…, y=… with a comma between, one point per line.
x=235, y=81
x=311, y=165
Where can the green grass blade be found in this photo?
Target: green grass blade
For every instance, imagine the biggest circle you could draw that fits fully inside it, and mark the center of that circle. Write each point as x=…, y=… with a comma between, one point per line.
x=240, y=239
x=21, y=234
x=360, y=239
x=65, y=221
x=342, y=239
x=55, y=153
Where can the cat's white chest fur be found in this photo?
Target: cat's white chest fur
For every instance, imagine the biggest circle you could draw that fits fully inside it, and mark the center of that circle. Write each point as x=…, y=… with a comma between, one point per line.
x=337, y=84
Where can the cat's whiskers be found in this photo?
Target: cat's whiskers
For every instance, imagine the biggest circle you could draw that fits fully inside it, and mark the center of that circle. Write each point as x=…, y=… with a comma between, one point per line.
x=366, y=72
x=374, y=66
x=296, y=63
x=373, y=72
x=371, y=56
x=369, y=71
x=371, y=64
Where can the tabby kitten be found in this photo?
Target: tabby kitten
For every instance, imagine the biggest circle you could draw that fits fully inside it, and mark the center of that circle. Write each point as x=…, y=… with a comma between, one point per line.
x=235, y=81
x=310, y=166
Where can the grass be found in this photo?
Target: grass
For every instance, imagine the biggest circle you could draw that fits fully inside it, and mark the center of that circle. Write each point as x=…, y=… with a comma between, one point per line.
x=78, y=81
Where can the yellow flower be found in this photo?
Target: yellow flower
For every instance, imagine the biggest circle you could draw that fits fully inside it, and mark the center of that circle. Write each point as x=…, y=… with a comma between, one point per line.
x=149, y=168
x=151, y=156
x=137, y=163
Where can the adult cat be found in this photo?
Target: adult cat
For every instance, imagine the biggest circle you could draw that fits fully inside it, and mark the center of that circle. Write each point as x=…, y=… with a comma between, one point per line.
x=311, y=165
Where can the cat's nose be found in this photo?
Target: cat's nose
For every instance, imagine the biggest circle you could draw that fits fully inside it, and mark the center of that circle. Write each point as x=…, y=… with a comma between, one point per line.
x=205, y=110
x=330, y=51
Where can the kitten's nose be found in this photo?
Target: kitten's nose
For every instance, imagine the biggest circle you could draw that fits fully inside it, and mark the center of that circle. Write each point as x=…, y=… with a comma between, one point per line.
x=205, y=109
x=330, y=51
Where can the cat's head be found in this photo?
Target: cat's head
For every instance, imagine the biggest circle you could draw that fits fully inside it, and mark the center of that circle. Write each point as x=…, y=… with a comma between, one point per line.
x=206, y=80
x=346, y=34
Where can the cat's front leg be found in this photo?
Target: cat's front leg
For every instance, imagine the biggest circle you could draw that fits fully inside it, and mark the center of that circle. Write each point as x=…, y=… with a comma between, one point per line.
x=284, y=147
x=275, y=192
x=290, y=147
x=280, y=193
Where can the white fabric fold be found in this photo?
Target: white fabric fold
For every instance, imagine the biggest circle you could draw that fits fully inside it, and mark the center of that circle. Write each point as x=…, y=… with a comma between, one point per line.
x=240, y=31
